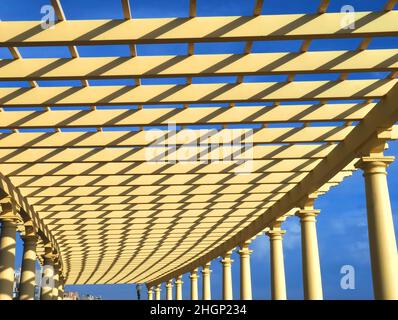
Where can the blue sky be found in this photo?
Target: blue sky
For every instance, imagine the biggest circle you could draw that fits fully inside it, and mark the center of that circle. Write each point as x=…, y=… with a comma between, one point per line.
x=342, y=229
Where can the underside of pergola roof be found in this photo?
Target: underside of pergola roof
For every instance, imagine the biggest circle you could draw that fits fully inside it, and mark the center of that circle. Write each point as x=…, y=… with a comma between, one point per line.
x=142, y=182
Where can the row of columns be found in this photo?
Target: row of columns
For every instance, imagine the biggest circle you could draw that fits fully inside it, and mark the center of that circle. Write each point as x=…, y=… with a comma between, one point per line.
x=383, y=250
x=52, y=286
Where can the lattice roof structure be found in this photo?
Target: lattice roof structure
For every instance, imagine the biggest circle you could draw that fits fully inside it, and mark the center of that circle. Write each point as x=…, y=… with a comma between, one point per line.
x=127, y=192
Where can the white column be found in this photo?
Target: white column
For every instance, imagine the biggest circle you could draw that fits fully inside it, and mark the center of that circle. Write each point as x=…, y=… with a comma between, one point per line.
x=312, y=279
x=28, y=268
x=194, y=284
x=158, y=291
x=382, y=242
x=150, y=293
x=245, y=273
x=61, y=287
x=227, y=276
x=278, y=282
x=47, y=282
x=179, y=283
x=55, y=292
x=206, y=285
x=169, y=290
x=7, y=251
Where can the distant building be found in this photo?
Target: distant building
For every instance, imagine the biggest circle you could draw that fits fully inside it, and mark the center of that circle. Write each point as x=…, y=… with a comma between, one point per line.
x=74, y=295
x=71, y=295
x=90, y=297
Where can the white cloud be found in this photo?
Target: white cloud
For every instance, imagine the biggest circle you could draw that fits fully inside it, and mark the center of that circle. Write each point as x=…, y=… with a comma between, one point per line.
x=348, y=220
x=292, y=237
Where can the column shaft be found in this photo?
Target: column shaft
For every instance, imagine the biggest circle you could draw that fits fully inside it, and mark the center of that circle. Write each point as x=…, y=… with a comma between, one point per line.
x=194, y=284
x=206, y=285
x=278, y=283
x=55, y=292
x=61, y=288
x=157, y=292
x=169, y=290
x=47, y=282
x=312, y=279
x=179, y=283
x=150, y=294
x=227, y=293
x=28, y=269
x=245, y=272
x=382, y=242
x=7, y=258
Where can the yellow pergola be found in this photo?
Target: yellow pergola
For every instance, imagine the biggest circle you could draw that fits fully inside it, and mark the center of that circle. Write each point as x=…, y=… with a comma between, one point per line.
x=111, y=204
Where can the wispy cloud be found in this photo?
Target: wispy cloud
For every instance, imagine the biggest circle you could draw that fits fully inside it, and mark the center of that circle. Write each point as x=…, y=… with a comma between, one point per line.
x=293, y=234
x=350, y=220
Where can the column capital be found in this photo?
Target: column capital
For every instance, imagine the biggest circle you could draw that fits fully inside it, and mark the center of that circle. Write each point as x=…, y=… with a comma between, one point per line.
x=179, y=281
x=226, y=258
x=275, y=228
x=307, y=215
x=7, y=212
x=206, y=268
x=244, y=249
x=158, y=287
x=374, y=163
x=29, y=238
x=194, y=274
x=49, y=256
x=169, y=284
x=309, y=201
x=226, y=261
x=275, y=233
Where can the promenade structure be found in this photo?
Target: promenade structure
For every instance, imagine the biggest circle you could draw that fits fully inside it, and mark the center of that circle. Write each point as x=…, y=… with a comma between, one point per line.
x=105, y=188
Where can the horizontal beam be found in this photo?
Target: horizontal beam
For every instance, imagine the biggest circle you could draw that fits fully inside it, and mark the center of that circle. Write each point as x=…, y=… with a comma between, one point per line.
x=98, y=155
x=127, y=223
x=186, y=198
x=188, y=210
x=147, y=168
x=198, y=29
x=157, y=179
x=198, y=65
x=144, y=199
x=156, y=137
x=194, y=93
x=180, y=116
x=151, y=190
x=142, y=210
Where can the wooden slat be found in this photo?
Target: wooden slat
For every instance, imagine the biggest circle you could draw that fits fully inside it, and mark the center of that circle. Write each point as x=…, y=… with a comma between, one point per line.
x=323, y=6
x=199, y=65
x=195, y=93
x=158, y=179
x=180, y=116
x=140, y=210
x=198, y=29
x=147, y=199
x=162, y=138
x=147, y=168
x=98, y=155
x=126, y=9
x=390, y=4
x=152, y=190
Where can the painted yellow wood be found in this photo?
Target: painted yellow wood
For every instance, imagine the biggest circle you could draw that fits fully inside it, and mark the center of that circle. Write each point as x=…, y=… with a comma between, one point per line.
x=198, y=65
